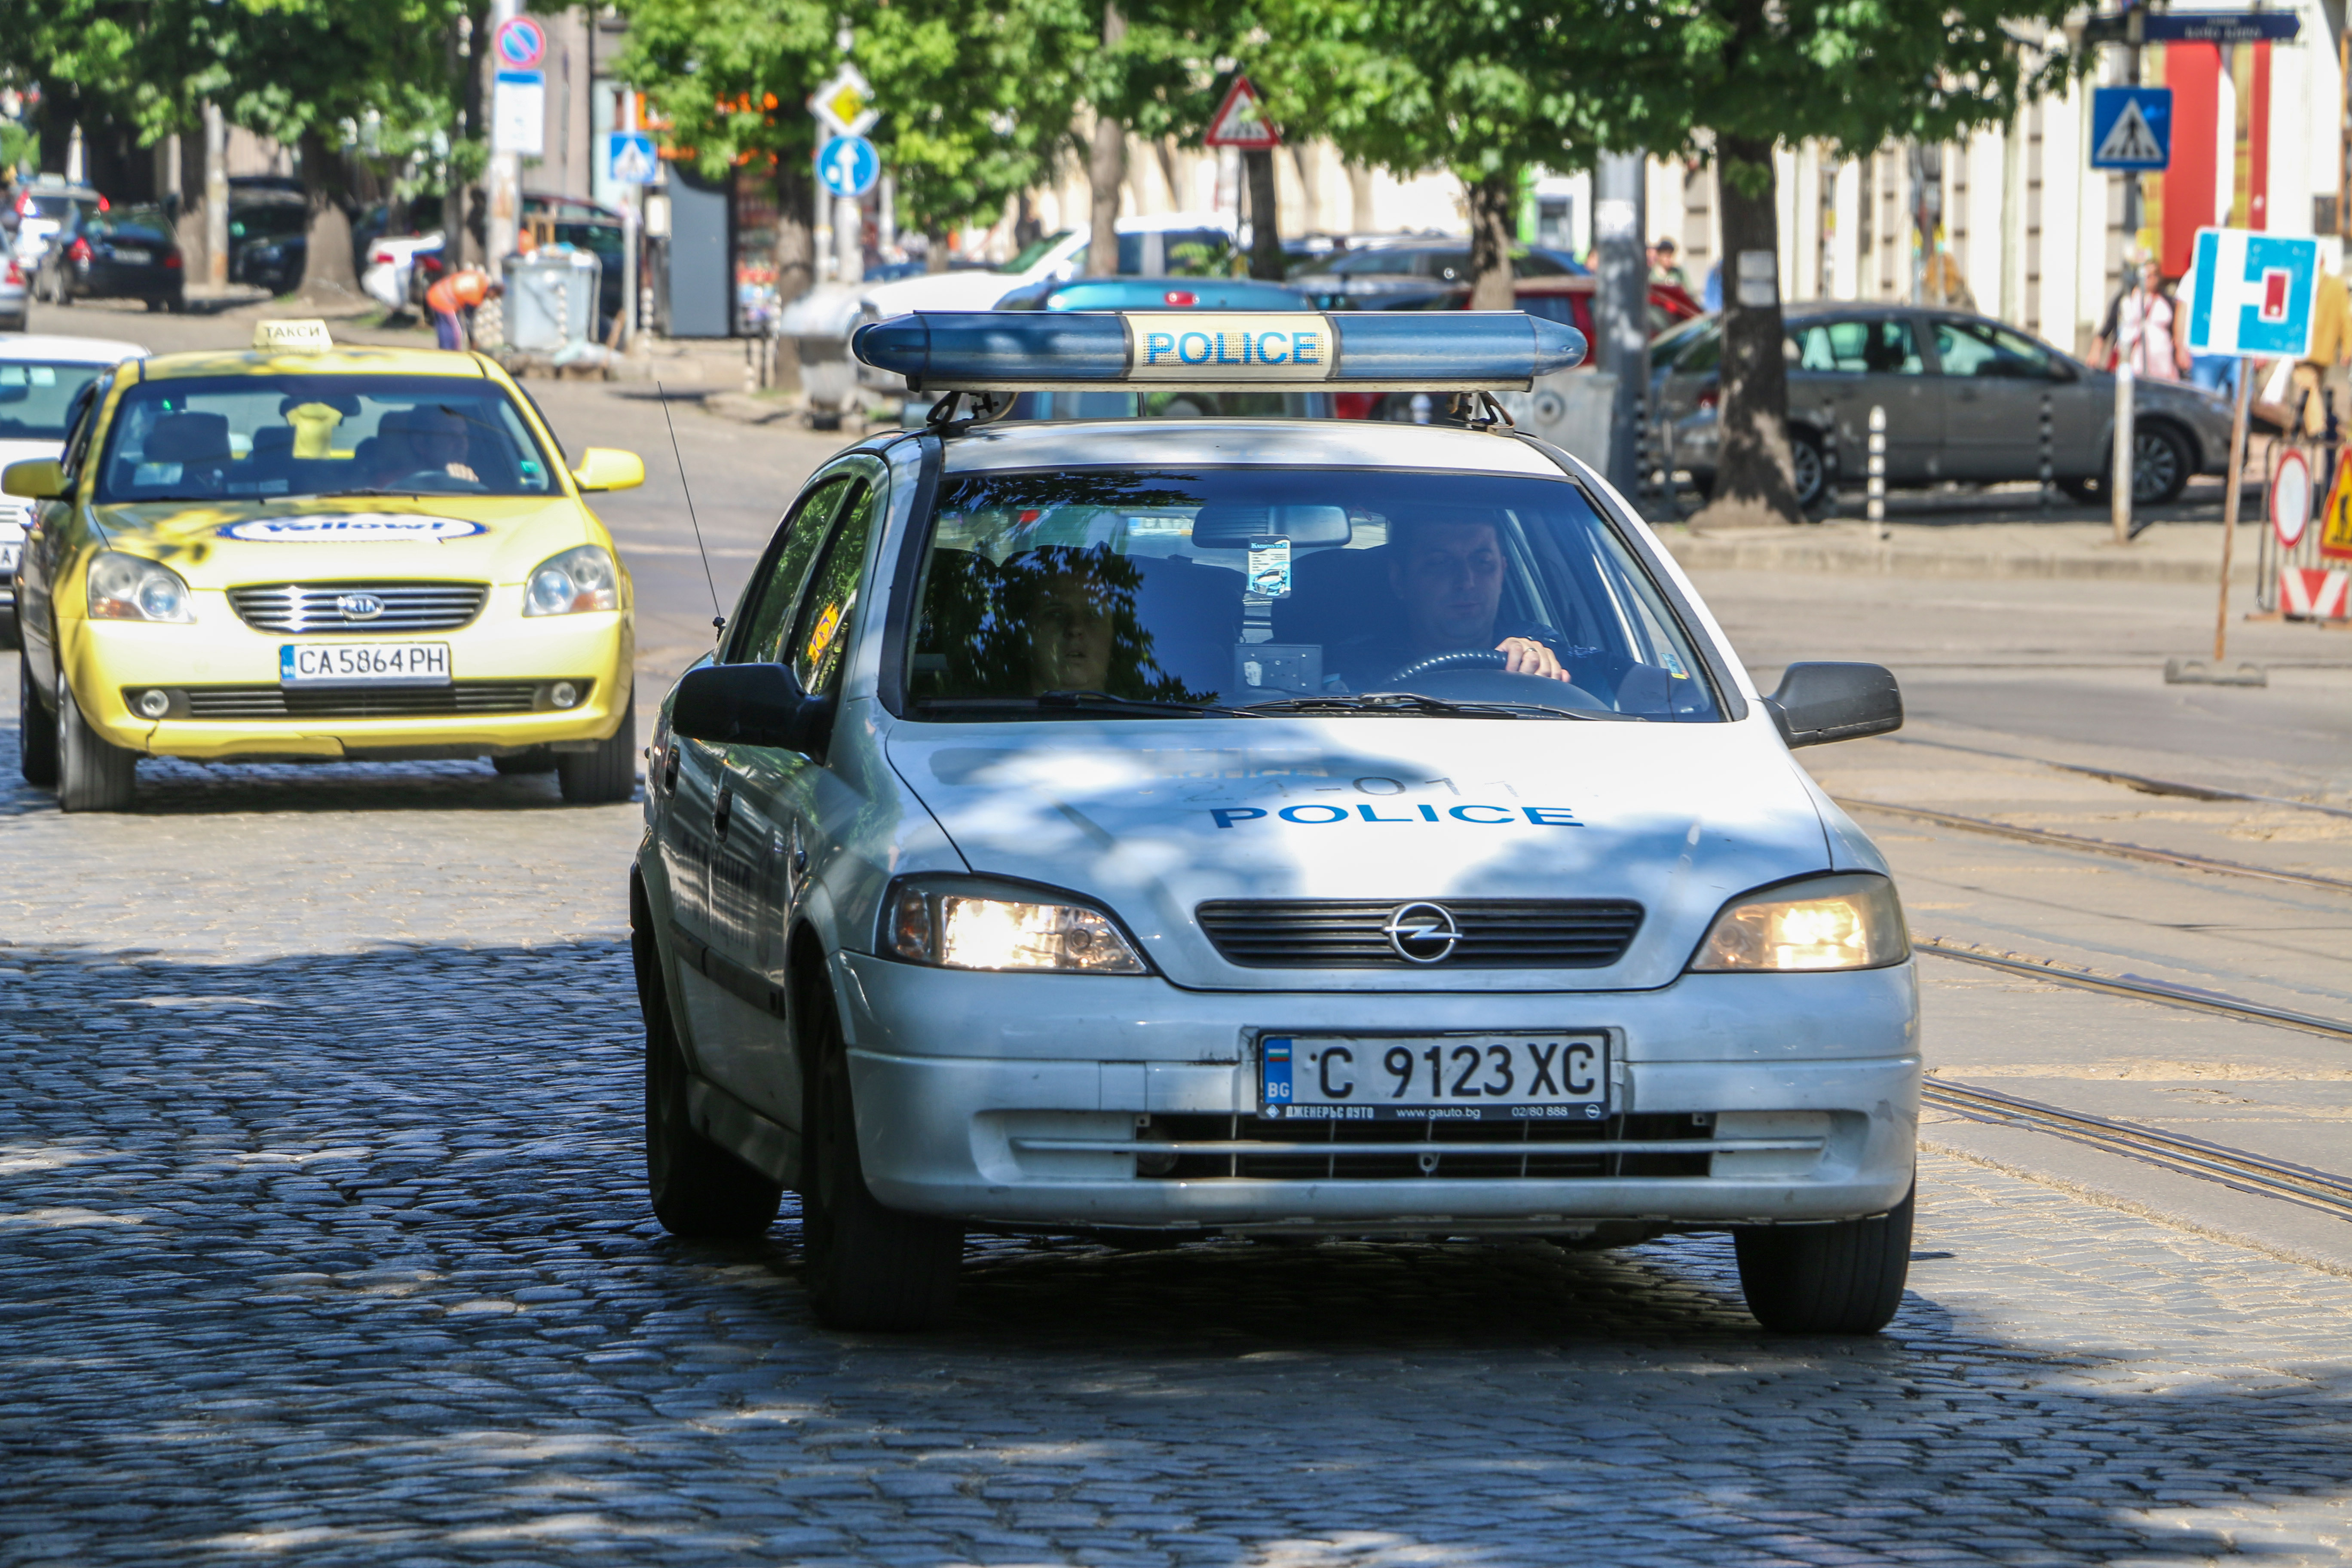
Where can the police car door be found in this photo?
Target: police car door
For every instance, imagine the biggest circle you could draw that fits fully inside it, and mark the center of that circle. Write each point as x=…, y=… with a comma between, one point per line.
x=793, y=809
x=717, y=847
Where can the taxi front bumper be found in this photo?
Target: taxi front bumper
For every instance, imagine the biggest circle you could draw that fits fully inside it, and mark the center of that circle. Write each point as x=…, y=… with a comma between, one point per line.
x=1069, y=1102
x=224, y=700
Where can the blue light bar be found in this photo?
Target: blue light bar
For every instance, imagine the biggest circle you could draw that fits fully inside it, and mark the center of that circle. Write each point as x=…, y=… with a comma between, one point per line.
x=1218, y=351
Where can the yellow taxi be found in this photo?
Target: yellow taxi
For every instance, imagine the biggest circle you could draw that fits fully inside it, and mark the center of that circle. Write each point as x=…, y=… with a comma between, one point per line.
x=314, y=552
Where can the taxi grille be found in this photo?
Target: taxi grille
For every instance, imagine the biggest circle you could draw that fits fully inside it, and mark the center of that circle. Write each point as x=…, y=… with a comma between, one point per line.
x=465, y=697
x=1496, y=933
x=1480, y=1151
x=298, y=607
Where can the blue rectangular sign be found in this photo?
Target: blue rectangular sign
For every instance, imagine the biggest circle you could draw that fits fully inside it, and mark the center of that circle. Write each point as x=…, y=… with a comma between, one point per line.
x=2131, y=128
x=2219, y=26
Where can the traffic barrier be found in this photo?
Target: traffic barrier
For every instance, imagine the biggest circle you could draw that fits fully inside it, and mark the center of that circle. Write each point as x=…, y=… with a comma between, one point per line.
x=2305, y=594
x=2296, y=559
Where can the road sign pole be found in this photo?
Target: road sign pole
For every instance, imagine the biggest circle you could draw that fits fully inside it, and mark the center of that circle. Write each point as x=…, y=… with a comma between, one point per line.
x=2126, y=452
x=2230, y=506
x=502, y=181
x=632, y=196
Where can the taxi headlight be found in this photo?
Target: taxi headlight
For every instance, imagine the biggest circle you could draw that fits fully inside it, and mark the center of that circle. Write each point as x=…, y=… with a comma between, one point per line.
x=981, y=928
x=1825, y=922
x=578, y=580
x=131, y=588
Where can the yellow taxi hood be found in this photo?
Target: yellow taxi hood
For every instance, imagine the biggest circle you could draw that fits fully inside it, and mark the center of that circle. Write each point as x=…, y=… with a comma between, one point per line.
x=474, y=539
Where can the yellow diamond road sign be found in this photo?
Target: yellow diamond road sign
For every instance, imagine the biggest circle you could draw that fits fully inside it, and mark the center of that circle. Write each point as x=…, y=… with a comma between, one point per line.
x=844, y=105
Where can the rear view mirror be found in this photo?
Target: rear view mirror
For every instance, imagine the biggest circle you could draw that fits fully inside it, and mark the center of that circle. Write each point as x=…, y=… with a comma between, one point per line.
x=1818, y=703
x=39, y=478
x=609, y=468
x=750, y=705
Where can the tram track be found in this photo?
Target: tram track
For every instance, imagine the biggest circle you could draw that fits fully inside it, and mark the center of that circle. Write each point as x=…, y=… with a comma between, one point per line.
x=2142, y=782
x=2079, y=843
x=2238, y=1168
x=2136, y=986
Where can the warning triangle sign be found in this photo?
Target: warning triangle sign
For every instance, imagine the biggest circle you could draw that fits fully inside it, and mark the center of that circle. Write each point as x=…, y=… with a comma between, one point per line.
x=1241, y=121
x=2130, y=140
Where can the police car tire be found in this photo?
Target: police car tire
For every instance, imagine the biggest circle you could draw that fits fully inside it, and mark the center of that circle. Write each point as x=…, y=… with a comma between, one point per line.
x=608, y=773
x=1841, y=1278
x=36, y=732
x=93, y=774
x=699, y=1191
x=868, y=1268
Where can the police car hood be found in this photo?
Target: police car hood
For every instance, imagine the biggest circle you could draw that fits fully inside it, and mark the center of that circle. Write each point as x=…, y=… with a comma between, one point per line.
x=1155, y=819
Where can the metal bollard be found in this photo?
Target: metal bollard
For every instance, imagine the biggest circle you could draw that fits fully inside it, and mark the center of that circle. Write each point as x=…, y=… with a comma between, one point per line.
x=750, y=365
x=1876, y=508
x=1832, y=468
x=2048, y=467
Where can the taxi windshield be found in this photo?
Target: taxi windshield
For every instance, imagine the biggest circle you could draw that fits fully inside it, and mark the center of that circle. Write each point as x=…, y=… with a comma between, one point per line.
x=1107, y=592
x=259, y=437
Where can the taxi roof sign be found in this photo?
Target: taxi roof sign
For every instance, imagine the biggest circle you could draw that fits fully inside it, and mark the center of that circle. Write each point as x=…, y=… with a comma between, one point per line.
x=301, y=337
x=1206, y=350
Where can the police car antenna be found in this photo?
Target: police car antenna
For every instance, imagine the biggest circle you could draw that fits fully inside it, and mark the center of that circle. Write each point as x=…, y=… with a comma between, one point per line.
x=718, y=616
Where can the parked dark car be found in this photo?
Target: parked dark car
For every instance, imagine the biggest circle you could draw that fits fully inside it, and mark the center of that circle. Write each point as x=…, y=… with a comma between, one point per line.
x=1381, y=268
x=1963, y=397
x=268, y=238
x=128, y=253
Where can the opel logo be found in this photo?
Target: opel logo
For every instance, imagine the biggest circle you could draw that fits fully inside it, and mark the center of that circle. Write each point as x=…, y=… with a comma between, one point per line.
x=360, y=607
x=1421, y=933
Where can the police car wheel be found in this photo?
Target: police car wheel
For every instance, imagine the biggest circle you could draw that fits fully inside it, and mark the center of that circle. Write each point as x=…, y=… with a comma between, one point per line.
x=608, y=773
x=37, y=734
x=698, y=1189
x=93, y=774
x=867, y=1266
x=1841, y=1278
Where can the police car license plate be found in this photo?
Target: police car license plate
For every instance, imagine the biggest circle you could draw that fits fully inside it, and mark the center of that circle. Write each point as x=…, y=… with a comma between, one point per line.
x=363, y=664
x=1434, y=1077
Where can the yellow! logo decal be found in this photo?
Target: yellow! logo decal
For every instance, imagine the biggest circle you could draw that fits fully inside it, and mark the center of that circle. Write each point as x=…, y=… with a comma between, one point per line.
x=1256, y=346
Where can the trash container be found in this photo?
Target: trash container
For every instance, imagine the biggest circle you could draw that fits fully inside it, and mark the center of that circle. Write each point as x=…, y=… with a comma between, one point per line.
x=1571, y=409
x=551, y=301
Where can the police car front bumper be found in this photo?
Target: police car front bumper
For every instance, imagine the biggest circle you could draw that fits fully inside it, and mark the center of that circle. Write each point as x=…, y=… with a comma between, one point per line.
x=1065, y=1101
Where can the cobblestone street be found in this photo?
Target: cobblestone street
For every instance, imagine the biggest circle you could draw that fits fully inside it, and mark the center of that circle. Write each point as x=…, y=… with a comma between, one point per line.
x=345, y=1258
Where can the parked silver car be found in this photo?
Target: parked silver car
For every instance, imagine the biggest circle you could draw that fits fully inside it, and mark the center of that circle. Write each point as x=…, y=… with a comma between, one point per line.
x=1965, y=397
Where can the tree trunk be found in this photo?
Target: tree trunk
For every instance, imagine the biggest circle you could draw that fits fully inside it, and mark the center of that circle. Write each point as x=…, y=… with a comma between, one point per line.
x=329, y=277
x=188, y=223
x=1494, y=227
x=1754, y=483
x=1359, y=199
x=935, y=250
x=795, y=242
x=1265, y=229
x=1106, y=169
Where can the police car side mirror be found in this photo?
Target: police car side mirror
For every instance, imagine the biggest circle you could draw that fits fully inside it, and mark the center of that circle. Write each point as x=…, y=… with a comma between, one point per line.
x=1818, y=703
x=750, y=705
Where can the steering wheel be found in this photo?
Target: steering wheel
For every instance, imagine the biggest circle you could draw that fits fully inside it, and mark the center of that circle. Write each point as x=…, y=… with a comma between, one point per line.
x=431, y=481
x=1461, y=659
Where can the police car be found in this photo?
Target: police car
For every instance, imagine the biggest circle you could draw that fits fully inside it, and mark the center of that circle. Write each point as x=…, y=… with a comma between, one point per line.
x=1164, y=829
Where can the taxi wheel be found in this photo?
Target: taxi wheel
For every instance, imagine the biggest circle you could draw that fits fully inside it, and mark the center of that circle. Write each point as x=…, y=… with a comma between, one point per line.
x=1841, y=1278
x=538, y=760
x=608, y=773
x=36, y=732
x=698, y=1189
x=93, y=774
x=867, y=1266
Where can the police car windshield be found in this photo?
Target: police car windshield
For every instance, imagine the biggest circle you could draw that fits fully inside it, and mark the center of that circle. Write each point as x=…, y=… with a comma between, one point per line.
x=261, y=437
x=1243, y=587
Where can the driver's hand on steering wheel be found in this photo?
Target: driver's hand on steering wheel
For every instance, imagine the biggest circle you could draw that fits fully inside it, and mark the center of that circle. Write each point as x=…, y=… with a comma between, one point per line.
x=1528, y=656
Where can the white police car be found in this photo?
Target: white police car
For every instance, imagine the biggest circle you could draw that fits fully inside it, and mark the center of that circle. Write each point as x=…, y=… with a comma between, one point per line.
x=1154, y=829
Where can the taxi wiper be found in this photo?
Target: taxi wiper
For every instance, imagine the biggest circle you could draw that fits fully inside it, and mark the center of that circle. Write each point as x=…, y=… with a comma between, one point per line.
x=360, y=490
x=1413, y=702
x=1104, y=699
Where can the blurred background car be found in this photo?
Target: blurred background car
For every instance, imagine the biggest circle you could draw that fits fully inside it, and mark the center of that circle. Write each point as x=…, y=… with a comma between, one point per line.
x=15, y=294
x=1167, y=244
x=269, y=235
x=43, y=206
x=42, y=380
x=1963, y=397
x=1383, y=268
x=125, y=253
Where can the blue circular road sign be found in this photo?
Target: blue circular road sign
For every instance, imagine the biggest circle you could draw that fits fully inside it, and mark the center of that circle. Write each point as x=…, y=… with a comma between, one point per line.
x=848, y=166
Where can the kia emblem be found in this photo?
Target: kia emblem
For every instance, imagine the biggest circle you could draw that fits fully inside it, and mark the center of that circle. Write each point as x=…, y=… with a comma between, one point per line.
x=360, y=607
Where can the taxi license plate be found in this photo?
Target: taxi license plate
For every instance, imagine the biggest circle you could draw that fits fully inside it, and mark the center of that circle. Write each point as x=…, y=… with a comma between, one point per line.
x=8, y=554
x=1434, y=1077
x=363, y=664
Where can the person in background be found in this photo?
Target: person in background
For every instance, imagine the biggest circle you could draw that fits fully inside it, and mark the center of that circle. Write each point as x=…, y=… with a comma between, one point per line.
x=1663, y=267
x=2331, y=345
x=2139, y=325
x=460, y=290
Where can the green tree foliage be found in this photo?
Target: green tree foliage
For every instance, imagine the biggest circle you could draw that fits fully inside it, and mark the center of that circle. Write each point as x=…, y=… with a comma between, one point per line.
x=1762, y=74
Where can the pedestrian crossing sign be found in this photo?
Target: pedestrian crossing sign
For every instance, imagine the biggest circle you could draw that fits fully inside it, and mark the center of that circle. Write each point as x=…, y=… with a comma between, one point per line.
x=1241, y=120
x=631, y=158
x=2131, y=128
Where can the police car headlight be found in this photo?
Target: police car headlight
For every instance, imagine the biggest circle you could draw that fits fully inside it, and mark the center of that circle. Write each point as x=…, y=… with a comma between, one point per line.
x=1827, y=923
x=576, y=580
x=975, y=928
x=129, y=588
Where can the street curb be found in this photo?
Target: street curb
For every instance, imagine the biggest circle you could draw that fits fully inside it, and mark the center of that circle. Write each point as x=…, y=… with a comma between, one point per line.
x=749, y=408
x=1839, y=558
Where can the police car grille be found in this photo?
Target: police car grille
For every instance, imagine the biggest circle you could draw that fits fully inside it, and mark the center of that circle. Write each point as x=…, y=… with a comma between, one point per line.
x=1464, y=1151
x=465, y=697
x=299, y=607
x=1496, y=933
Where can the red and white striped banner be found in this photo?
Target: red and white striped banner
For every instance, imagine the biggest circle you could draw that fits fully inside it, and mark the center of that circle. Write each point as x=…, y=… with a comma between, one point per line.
x=2308, y=594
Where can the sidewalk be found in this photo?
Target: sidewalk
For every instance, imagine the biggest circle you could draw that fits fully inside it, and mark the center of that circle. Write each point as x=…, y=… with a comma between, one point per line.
x=2183, y=549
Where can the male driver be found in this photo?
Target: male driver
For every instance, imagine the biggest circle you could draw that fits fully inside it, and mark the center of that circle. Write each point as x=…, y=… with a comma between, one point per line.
x=461, y=290
x=1448, y=573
